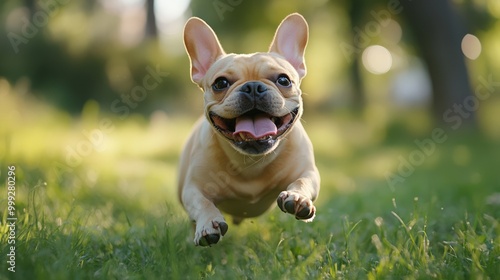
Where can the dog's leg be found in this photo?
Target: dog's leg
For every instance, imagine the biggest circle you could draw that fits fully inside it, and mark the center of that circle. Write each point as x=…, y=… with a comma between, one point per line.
x=210, y=224
x=299, y=196
x=237, y=220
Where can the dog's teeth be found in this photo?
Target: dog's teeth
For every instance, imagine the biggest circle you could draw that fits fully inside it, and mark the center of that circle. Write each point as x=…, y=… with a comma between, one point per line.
x=264, y=138
x=242, y=135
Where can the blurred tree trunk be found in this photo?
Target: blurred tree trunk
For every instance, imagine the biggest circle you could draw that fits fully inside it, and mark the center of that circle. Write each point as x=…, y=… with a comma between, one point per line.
x=30, y=5
x=355, y=15
x=439, y=32
x=151, y=29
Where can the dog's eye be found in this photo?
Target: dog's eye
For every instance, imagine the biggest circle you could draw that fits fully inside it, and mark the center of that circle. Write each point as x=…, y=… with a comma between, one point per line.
x=283, y=81
x=220, y=84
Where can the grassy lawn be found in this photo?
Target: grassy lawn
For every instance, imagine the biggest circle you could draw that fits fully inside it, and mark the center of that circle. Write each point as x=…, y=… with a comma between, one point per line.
x=110, y=211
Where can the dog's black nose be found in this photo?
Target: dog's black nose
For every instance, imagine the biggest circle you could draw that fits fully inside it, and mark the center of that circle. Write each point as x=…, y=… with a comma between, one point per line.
x=253, y=89
x=254, y=95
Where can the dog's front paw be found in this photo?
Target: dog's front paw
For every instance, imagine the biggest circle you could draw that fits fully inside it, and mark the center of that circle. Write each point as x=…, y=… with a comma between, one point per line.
x=296, y=204
x=209, y=232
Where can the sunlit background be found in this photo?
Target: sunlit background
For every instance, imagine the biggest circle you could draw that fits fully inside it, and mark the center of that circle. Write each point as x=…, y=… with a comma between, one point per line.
x=72, y=75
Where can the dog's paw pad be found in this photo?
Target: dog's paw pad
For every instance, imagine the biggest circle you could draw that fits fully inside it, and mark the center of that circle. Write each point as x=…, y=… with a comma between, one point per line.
x=211, y=235
x=299, y=206
x=223, y=228
x=289, y=206
x=209, y=239
x=306, y=213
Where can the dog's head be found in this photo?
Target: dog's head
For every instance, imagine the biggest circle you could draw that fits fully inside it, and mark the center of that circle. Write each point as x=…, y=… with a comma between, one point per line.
x=252, y=100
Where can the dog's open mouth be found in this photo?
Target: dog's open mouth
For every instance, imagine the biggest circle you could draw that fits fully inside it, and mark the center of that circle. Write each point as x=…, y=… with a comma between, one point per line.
x=254, y=129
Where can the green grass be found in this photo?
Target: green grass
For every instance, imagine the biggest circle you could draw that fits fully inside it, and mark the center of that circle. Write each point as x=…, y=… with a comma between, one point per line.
x=116, y=215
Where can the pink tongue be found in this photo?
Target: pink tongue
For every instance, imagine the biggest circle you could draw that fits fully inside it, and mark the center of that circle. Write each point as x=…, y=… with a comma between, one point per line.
x=257, y=126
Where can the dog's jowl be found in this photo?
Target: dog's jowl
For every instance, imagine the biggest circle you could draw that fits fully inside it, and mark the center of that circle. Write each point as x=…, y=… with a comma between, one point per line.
x=250, y=149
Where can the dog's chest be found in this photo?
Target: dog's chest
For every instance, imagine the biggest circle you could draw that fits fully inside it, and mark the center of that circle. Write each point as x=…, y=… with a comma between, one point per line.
x=251, y=190
x=249, y=199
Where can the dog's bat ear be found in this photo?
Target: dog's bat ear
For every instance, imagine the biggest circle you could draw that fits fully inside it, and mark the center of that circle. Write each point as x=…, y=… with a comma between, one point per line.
x=290, y=41
x=202, y=46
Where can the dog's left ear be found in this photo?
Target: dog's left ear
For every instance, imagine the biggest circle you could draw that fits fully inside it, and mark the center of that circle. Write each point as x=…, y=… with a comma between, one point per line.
x=290, y=41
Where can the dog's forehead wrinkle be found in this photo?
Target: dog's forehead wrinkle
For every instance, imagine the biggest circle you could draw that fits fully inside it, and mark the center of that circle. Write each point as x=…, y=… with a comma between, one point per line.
x=253, y=66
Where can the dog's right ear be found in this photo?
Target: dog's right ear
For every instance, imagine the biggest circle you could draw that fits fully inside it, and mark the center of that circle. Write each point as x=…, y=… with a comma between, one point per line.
x=202, y=46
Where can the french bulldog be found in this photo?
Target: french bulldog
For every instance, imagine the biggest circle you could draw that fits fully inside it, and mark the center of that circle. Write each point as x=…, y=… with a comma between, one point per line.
x=250, y=149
